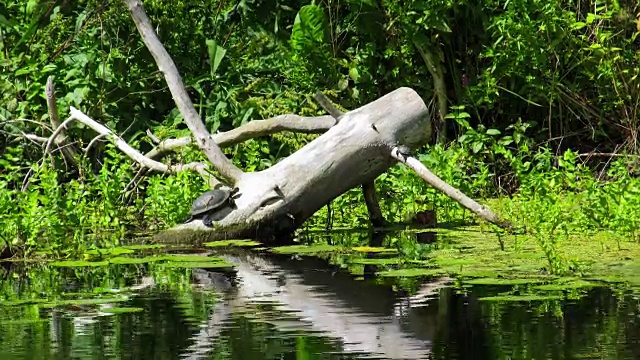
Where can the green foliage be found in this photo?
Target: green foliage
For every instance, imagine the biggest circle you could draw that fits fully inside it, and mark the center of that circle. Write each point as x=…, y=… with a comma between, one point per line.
x=522, y=79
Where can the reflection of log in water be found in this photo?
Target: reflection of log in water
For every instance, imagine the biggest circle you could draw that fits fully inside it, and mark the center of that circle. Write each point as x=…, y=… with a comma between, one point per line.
x=360, y=315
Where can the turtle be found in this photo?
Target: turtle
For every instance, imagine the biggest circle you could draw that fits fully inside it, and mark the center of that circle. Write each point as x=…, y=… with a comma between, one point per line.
x=205, y=205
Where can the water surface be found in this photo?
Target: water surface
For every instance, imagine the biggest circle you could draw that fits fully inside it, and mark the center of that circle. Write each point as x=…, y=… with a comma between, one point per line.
x=294, y=307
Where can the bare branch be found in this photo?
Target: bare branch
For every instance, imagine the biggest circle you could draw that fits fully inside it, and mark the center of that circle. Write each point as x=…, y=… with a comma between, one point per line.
x=52, y=107
x=69, y=152
x=126, y=148
x=328, y=106
x=287, y=122
x=93, y=141
x=204, y=140
x=253, y=129
x=606, y=155
x=104, y=132
x=57, y=132
x=437, y=72
x=35, y=138
x=433, y=180
x=153, y=138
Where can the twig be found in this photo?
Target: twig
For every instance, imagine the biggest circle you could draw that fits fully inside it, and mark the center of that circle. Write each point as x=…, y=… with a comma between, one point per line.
x=57, y=132
x=606, y=155
x=68, y=152
x=250, y=130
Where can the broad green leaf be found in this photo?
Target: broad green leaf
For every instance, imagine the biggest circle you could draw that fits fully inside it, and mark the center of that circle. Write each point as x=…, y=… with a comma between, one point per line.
x=578, y=25
x=216, y=54
x=308, y=27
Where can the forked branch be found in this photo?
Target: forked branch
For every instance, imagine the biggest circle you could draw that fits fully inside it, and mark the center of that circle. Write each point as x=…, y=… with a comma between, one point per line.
x=166, y=65
x=251, y=130
x=104, y=132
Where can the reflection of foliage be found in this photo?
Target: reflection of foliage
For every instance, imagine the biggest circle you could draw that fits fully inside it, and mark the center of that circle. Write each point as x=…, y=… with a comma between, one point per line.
x=173, y=312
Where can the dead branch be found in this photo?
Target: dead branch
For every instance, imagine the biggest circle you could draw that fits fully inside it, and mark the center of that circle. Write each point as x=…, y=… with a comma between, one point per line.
x=328, y=106
x=93, y=141
x=250, y=130
x=69, y=152
x=435, y=69
x=153, y=138
x=606, y=155
x=166, y=65
x=455, y=194
x=52, y=106
x=104, y=132
x=287, y=122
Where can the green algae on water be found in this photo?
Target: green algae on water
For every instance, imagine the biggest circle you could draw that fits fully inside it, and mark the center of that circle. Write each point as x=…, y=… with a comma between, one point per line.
x=371, y=249
x=568, y=284
x=143, y=246
x=521, y=298
x=376, y=261
x=304, y=249
x=110, y=251
x=22, y=302
x=122, y=310
x=190, y=258
x=503, y=281
x=233, y=243
x=84, y=302
x=78, y=263
x=201, y=265
x=411, y=272
x=121, y=260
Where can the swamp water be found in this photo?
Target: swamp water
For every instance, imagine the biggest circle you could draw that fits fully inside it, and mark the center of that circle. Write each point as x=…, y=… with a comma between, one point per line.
x=230, y=302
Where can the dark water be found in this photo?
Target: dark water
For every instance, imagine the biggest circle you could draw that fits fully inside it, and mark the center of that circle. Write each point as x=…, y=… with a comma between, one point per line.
x=281, y=308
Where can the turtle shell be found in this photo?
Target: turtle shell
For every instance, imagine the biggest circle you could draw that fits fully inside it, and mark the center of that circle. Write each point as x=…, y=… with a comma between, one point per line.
x=210, y=200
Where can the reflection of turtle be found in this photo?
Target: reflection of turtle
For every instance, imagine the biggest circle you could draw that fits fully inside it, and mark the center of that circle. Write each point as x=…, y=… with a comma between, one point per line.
x=207, y=205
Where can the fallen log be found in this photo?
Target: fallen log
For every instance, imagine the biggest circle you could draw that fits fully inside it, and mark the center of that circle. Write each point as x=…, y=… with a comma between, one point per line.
x=276, y=201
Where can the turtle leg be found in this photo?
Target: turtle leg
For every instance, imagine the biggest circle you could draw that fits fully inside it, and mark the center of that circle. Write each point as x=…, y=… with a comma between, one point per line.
x=206, y=220
x=190, y=219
